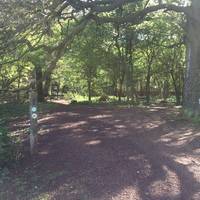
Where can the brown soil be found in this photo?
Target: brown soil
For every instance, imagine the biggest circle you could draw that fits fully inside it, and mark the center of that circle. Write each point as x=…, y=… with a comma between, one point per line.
x=110, y=153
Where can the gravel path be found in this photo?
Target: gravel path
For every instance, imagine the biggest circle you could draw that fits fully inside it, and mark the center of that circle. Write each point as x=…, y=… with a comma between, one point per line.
x=112, y=153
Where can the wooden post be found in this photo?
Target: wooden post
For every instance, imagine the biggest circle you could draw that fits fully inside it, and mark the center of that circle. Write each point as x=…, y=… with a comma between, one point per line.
x=33, y=114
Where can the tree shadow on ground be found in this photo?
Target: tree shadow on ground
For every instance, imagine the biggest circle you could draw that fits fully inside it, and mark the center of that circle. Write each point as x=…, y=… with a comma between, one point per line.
x=89, y=153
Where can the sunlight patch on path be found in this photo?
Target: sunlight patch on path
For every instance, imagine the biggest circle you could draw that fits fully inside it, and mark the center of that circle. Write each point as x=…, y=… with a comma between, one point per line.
x=129, y=193
x=73, y=125
x=170, y=186
x=192, y=163
x=93, y=142
x=100, y=116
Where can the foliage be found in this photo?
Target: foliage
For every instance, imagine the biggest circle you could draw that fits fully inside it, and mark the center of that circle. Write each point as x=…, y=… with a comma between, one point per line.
x=94, y=58
x=10, y=145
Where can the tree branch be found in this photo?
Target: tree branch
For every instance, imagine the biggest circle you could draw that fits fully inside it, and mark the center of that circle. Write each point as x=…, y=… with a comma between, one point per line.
x=140, y=15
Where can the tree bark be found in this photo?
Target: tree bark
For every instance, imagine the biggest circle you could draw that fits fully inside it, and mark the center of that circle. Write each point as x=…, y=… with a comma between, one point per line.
x=121, y=81
x=165, y=90
x=192, y=80
x=148, y=84
x=176, y=89
x=40, y=90
x=89, y=90
x=47, y=83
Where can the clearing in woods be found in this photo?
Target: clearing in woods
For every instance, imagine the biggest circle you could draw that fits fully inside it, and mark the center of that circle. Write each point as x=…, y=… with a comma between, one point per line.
x=109, y=153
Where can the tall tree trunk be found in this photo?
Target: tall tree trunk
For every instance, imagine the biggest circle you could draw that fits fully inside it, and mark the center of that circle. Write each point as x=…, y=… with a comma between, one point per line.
x=121, y=81
x=120, y=91
x=47, y=83
x=192, y=80
x=148, y=84
x=176, y=89
x=89, y=90
x=150, y=57
x=18, y=83
x=40, y=91
x=165, y=90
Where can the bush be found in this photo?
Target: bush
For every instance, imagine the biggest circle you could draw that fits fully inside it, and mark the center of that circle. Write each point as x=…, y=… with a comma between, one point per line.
x=6, y=148
x=103, y=98
x=74, y=102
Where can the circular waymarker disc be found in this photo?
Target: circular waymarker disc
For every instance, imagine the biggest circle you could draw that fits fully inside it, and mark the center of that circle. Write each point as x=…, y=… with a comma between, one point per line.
x=34, y=116
x=34, y=109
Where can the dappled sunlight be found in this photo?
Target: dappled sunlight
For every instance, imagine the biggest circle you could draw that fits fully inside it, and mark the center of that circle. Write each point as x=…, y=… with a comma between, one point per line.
x=196, y=196
x=179, y=142
x=191, y=162
x=94, y=130
x=93, y=142
x=100, y=116
x=72, y=125
x=194, y=168
x=116, y=156
x=152, y=125
x=196, y=151
x=178, y=137
x=170, y=186
x=120, y=126
x=46, y=118
x=44, y=131
x=21, y=124
x=153, y=110
x=43, y=153
x=145, y=124
x=129, y=193
x=184, y=159
x=165, y=140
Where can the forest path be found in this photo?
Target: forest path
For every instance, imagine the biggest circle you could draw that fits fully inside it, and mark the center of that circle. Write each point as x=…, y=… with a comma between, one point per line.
x=110, y=153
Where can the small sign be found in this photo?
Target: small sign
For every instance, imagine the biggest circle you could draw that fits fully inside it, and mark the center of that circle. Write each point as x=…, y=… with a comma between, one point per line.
x=34, y=116
x=34, y=109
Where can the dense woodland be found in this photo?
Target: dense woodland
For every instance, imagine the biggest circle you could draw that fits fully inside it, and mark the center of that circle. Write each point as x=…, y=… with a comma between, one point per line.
x=99, y=99
x=130, y=51
x=122, y=49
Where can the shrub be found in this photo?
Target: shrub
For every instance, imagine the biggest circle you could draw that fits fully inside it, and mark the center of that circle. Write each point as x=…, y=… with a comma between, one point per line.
x=103, y=98
x=74, y=102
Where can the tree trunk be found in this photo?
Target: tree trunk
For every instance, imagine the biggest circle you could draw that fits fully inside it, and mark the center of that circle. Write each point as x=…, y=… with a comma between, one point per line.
x=176, y=89
x=121, y=81
x=18, y=83
x=192, y=80
x=40, y=91
x=120, y=91
x=89, y=90
x=47, y=83
x=148, y=84
x=165, y=90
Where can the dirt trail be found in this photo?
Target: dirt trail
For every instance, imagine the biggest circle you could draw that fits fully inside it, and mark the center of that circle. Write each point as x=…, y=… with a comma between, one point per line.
x=109, y=153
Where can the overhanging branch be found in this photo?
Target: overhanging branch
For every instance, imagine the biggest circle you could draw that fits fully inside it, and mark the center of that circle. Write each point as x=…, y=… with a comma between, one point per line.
x=137, y=17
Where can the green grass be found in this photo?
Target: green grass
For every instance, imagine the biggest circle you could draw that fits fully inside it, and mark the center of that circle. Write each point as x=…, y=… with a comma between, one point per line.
x=10, y=142
x=190, y=116
x=9, y=110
